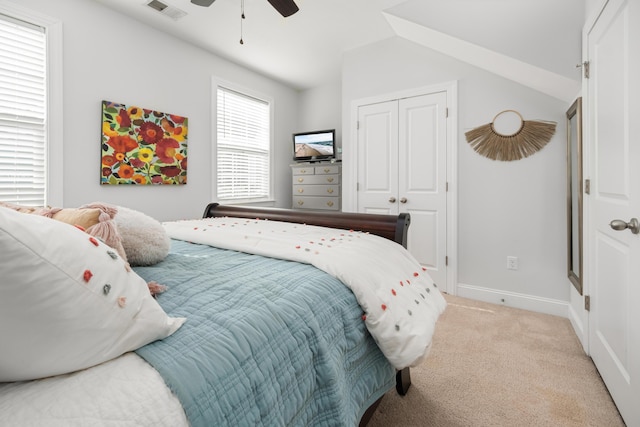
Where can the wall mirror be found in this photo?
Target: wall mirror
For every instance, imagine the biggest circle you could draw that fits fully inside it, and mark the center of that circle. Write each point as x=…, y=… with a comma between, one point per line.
x=574, y=193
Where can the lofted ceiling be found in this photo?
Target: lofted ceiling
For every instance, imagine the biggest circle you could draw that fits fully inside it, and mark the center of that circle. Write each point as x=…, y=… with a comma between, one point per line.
x=538, y=40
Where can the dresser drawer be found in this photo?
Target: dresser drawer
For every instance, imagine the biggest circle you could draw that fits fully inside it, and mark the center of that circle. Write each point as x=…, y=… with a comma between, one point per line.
x=327, y=170
x=316, y=202
x=316, y=190
x=306, y=170
x=316, y=179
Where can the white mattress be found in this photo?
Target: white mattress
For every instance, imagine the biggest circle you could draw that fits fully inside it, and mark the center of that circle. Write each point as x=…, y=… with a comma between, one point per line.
x=125, y=391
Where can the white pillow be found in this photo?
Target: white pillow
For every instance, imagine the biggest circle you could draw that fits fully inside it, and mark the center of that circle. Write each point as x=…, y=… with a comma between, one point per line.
x=144, y=239
x=67, y=302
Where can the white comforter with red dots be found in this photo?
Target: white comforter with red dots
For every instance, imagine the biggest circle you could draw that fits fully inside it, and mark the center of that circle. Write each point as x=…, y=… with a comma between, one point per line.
x=400, y=302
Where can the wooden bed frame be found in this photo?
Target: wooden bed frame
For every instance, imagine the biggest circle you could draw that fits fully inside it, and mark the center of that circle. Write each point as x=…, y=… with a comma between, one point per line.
x=392, y=227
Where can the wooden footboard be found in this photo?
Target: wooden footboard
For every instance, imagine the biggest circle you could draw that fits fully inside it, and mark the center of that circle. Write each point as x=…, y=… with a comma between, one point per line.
x=392, y=227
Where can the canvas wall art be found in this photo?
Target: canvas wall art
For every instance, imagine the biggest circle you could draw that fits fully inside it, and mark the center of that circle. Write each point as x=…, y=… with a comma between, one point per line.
x=142, y=146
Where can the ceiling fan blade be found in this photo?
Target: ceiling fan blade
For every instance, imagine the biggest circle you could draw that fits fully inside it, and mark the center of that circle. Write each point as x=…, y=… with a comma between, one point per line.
x=285, y=7
x=205, y=3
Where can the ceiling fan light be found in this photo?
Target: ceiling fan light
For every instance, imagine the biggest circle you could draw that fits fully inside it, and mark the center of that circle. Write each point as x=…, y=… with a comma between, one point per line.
x=205, y=3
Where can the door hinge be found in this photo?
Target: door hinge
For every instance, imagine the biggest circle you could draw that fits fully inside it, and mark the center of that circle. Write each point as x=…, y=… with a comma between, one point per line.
x=446, y=112
x=446, y=260
x=587, y=302
x=446, y=187
x=358, y=124
x=587, y=186
x=585, y=69
x=357, y=186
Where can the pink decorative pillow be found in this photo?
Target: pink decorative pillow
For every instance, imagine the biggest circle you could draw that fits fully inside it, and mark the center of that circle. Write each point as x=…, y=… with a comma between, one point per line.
x=97, y=220
x=19, y=208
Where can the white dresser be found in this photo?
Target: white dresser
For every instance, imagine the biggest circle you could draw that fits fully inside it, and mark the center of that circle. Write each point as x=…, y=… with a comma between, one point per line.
x=316, y=186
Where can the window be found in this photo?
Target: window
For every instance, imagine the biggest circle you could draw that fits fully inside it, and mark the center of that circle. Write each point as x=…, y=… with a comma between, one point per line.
x=243, y=147
x=23, y=127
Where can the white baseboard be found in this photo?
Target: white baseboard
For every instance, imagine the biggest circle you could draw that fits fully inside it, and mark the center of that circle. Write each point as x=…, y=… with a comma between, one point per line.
x=512, y=299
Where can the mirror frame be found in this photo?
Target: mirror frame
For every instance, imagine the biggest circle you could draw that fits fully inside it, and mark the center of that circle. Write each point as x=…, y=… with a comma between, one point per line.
x=574, y=194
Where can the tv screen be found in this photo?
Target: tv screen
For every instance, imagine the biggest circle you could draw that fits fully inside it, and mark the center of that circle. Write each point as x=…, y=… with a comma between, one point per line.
x=316, y=145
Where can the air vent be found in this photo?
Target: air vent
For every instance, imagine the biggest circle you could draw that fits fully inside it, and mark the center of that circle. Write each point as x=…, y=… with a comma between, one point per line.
x=170, y=11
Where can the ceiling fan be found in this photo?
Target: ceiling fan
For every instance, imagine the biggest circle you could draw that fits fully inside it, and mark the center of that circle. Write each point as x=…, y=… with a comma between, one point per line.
x=284, y=7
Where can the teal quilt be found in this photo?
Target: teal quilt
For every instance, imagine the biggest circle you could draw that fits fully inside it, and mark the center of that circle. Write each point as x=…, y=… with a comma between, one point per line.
x=267, y=342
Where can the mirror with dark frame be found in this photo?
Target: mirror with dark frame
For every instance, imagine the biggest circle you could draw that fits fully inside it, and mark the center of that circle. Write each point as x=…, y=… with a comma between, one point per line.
x=574, y=194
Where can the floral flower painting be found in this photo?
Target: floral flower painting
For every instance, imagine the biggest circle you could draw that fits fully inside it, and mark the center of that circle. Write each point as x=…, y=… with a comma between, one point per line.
x=141, y=146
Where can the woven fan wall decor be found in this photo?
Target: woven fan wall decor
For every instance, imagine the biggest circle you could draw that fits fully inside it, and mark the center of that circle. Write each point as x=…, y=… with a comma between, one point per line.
x=532, y=136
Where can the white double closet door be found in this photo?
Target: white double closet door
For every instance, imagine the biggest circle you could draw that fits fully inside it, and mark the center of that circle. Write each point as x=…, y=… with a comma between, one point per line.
x=401, y=163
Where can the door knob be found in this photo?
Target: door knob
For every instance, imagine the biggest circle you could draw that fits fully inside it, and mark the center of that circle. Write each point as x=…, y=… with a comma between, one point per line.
x=392, y=199
x=403, y=200
x=619, y=225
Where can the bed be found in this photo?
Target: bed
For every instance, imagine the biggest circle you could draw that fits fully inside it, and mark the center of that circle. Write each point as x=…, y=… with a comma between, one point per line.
x=270, y=338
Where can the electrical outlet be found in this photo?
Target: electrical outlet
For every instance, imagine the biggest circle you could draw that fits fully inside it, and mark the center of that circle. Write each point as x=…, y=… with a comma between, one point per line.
x=512, y=263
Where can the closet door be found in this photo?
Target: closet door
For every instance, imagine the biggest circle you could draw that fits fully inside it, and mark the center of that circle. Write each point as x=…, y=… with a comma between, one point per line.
x=402, y=168
x=378, y=158
x=422, y=159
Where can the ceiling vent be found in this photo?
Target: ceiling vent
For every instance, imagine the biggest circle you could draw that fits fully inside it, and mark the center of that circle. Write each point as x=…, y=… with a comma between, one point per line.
x=170, y=11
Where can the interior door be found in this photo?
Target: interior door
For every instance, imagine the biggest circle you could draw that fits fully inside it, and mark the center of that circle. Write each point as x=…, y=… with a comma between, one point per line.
x=422, y=178
x=402, y=168
x=614, y=284
x=378, y=158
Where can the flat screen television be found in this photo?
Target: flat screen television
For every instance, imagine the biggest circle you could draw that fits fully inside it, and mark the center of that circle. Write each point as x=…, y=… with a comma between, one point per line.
x=314, y=146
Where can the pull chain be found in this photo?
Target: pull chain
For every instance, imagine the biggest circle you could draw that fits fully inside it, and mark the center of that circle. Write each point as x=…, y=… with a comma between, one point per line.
x=241, y=19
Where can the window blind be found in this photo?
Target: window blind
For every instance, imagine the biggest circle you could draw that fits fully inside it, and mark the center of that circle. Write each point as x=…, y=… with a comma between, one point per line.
x=243, y=146
x=22, y=112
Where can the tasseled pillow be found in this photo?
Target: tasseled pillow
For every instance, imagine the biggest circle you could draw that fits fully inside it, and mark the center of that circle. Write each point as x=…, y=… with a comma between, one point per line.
x=97, y=220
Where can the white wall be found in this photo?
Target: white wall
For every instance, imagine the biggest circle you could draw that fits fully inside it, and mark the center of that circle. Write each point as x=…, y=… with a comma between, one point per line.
x=109, y=56
x=505, y=208
x=321, y=108
x=593, y=7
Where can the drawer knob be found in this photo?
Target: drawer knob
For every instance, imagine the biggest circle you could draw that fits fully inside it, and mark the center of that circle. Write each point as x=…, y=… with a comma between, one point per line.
x=330, y=203
x=300, y=190
x=300, y=179
x=329, y=179
x=300, y=202
x=327, y=170
x=330, y=190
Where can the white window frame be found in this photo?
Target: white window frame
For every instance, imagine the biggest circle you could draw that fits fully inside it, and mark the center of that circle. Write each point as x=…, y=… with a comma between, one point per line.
x=54, y=167
x=219, y=83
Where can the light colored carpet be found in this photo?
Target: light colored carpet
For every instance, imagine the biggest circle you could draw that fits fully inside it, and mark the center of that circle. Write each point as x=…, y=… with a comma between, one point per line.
x=492, y=365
